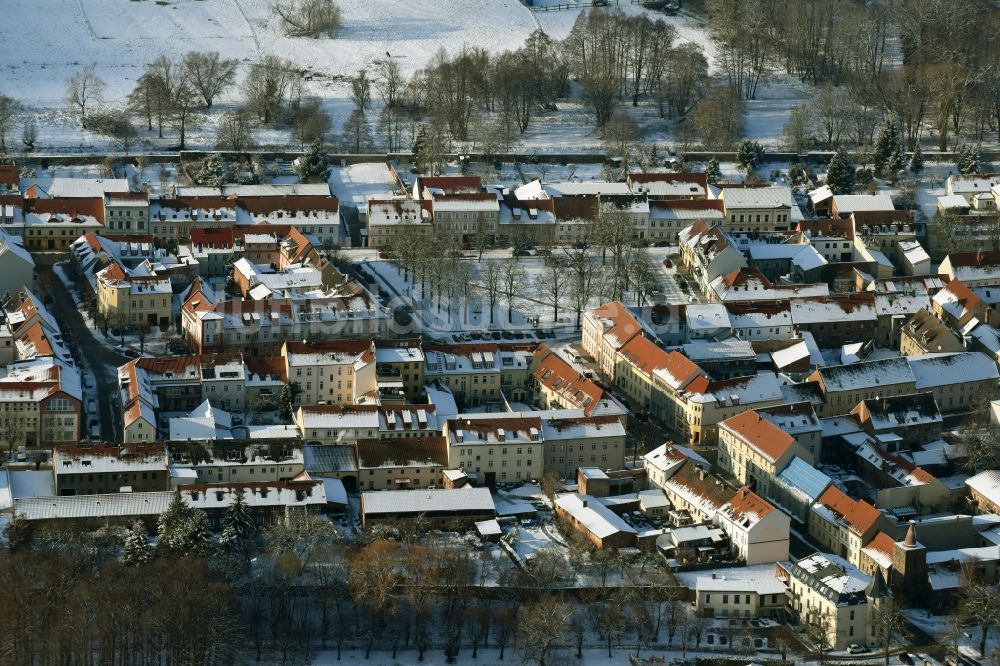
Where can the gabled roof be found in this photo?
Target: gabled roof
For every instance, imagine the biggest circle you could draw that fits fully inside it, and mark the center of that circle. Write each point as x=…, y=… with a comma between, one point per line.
x=760, y=434
x=859, y=516
x=746, y=508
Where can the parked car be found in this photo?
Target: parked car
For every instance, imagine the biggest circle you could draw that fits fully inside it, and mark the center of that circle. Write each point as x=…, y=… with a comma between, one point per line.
x=667, y=263
x=854, y=648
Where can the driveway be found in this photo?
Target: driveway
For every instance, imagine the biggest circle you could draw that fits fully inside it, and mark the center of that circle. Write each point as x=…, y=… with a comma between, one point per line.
x=102, y=361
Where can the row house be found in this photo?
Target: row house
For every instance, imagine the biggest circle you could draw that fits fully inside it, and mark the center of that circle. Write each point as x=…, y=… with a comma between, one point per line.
x=98, y=469
x=268, y=502
x=975, y=269
x=692, y=404
x=401, y=363
x=316, y=215
x=173, y=219
x=40, y=402
x=926, y=334
x=135, y=297
x=126, y=213
x=394, y=221
x=331, y=371
x=754, y=450
x=558, y=385
x=708, y=252
x=606, y=329
x=398, y=464
x=828, y=592
x=837, y=319
x=212, y=323
x=496, y=448
x=843, y=525
x=757, y=208
x=749, y=284
x=758, y=532
x=478, y=374
x=346, y=424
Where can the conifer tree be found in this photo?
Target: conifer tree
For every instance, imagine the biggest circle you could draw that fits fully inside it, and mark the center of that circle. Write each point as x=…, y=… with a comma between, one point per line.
x=313, y=164
x=840, y=176
x=749, y=155
x=238, y=529
x=916, y=164
x=888, y=149
x=713, y=172
x=136, y=549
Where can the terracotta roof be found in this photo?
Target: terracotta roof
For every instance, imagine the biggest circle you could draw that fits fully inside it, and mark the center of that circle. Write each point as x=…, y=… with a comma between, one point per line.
x=747, y=504
x=451, y=184
x=92, y=206
x=645, y=355
x=219, y=237
x=402, y=452
x=860, y=516
x=292, y=203
x=759, y=433
x=881, y=543
x=8, y=174
x=557, y=375
x=977, y=258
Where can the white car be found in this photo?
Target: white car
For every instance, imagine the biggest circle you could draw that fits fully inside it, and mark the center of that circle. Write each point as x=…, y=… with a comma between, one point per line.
x=854, y=648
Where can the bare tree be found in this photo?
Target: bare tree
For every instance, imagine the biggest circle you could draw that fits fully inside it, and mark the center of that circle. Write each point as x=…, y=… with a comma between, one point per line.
x=888, y=620
x=309, y=123
x=552, y=285
x=512, y=284
x=357, y=132
x=361, y=91
x=84, y=88
x=542, y=625
x=116, y=125
x=210, y=73
x=266, y=86
x=10, y=111
x=620, y=134
x=718, y=119
x=389, y=80
x=29, y=135
x=235, y=130
x=308, y=18
x=491, y=280
x=583, y=280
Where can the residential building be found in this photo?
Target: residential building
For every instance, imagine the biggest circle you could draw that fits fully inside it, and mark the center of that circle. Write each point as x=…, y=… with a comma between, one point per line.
x=827, y=592
x=605, y=330
x=758, y=533
x=595, y=521
x=94, y=470
x=331, y=371
x=268, y=502
x=754, y=450
x=40, y=403
x=395, y=221
x=461, y=508
x=134, y=298
x=843, y=525
x=757, y=208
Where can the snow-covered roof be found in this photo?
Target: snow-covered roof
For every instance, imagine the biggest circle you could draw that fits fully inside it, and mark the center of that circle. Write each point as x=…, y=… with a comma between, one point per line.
x=757, y=197
x=850, y=203
x=707, y=316
x=930, y=370
x=77, y=188
x=735, y=580
x=428, y=501
x=111, y=505
x=986, y=484
x=597, y=518
x=952, y=201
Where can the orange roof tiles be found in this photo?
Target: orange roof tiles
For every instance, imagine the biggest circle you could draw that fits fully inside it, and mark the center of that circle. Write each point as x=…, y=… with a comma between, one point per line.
x=748, y=504
x=860, y=516
x=760, y=434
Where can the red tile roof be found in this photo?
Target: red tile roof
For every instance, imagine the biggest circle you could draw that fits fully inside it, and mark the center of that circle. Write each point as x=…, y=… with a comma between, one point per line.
x=760, y=434
x=860, y=516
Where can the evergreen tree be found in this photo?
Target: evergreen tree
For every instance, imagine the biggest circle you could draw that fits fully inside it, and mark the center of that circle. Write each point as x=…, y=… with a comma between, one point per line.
x=968, y=160
x=713, y=172
x=173, y=525
x=748, y=155
x=289, y=394
x=895, y=165
x=214, y=171
x=238, y=529
x=136, y=549
x=888, y=149
x=916, y=164
x=419, y=141
x=197, y=536
x=840, y=175
x=313, y=164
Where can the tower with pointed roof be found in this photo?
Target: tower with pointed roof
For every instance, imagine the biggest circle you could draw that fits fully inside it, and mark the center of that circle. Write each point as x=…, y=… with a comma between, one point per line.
x=909, y=566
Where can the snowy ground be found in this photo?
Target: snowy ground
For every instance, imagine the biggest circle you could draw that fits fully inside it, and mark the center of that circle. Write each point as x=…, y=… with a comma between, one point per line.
x=121, y=37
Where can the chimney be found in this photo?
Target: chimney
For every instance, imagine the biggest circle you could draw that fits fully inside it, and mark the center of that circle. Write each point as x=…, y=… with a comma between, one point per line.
x=701, y=473
x=911, y=537
x=583, y=503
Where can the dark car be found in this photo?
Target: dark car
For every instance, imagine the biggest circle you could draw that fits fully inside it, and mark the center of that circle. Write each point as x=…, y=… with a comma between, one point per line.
x=667, y=263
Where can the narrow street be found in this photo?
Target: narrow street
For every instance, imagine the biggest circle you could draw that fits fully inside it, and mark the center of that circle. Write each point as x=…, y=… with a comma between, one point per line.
x=100, y=359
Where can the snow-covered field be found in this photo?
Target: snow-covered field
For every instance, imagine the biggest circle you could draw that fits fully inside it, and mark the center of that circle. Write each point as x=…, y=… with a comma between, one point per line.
x=121, y=36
